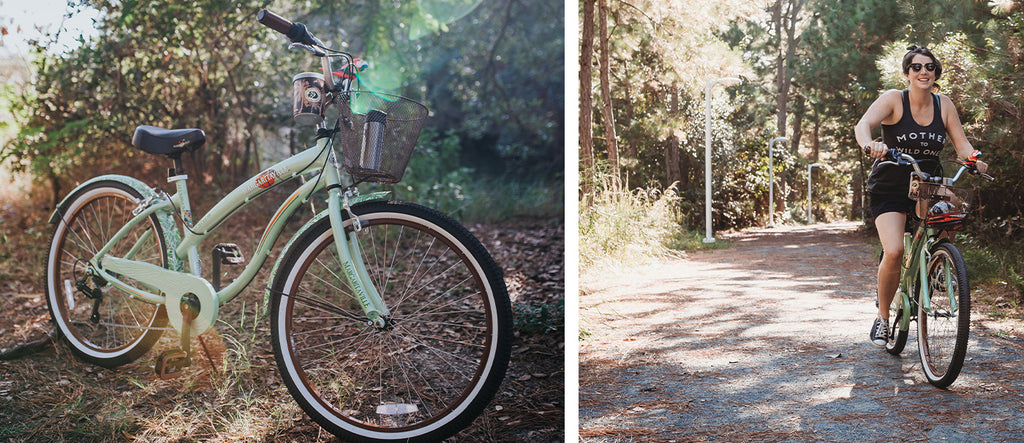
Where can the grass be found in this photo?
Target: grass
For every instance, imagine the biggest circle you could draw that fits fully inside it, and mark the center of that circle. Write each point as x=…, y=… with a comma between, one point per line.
x=506, y=199
x=633, y=227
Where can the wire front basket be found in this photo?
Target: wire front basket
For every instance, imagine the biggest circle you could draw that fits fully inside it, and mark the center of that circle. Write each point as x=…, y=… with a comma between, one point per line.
x=379, y=135
x=941, y=205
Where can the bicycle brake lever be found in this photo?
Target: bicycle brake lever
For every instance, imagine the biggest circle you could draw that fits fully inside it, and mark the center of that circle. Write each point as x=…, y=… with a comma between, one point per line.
x=310, y=49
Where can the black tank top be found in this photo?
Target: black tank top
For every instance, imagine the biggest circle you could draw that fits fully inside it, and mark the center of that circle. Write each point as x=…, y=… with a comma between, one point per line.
x=921, y=142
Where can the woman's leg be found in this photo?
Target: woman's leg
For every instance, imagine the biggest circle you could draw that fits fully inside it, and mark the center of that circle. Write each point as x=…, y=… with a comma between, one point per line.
x=890, y=227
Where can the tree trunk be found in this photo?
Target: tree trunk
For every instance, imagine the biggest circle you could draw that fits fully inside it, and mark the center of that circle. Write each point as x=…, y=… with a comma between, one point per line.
x=816, y=138
x=606, y=96
x=587, y=103
x=785, y=22
x=54, y=188
x=672, y=172
x=856, y=204
x=685, y=170
x=628, y=103
x=798, y=122
x=781, y=85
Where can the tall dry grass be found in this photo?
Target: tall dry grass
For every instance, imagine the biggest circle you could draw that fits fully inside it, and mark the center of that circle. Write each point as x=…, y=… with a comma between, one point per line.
x=632, y=227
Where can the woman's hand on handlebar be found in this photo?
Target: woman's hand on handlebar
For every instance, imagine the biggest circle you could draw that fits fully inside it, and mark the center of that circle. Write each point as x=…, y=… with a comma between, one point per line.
x=974, y=162
x=981, y=166
x=876, y=149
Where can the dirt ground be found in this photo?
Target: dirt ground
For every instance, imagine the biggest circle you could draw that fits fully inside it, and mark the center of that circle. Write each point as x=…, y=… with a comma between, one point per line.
x=767, y=340
x=49, y=396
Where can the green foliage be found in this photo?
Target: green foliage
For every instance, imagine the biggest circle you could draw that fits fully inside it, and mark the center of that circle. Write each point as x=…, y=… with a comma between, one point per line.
x=994, y=252
x=847, y=53
x=546, y=317
x=147, y=67
x=221, y=71
x=434, y=177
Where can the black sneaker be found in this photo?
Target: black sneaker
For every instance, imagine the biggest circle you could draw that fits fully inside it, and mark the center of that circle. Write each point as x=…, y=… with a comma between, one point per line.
x=880, y=332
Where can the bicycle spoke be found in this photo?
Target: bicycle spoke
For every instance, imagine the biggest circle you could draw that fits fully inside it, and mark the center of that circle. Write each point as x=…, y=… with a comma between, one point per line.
x=124, y=327
x=426, y=362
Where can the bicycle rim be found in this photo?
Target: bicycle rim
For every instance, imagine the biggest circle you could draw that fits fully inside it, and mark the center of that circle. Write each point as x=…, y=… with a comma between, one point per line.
x=124, y=327
x=437, y=365
x=943, y=330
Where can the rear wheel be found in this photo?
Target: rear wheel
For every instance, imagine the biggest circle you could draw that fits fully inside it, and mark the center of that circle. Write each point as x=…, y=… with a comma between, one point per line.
x=102, y=324
x=435, y=365
x=944, y=327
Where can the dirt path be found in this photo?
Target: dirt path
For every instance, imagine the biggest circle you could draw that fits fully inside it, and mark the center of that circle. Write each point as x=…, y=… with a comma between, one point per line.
x=767, y=340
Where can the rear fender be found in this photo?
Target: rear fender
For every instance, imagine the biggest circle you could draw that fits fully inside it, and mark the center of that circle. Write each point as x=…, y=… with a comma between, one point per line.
x=165, y=217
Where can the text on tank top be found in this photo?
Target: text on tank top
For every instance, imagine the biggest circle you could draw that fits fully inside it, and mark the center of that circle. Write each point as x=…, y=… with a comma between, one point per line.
x=909, y=137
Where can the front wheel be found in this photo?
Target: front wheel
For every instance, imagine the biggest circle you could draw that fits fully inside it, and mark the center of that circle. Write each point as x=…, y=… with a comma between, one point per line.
x=897, y=337
x=943, y=328
x=443, y=353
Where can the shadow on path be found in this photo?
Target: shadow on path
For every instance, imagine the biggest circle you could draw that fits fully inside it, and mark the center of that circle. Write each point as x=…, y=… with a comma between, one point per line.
x=767, y=340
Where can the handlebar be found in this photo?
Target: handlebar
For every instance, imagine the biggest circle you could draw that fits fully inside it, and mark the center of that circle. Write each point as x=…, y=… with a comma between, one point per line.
x=901, y=159
x=296, y=32
x=274, y=21
x=302, y=38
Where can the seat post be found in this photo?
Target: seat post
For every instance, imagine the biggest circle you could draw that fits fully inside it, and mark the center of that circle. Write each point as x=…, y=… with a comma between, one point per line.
x=178, y=176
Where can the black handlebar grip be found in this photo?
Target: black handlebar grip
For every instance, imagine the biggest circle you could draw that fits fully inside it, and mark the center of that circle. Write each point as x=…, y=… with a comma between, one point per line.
x=274, y=21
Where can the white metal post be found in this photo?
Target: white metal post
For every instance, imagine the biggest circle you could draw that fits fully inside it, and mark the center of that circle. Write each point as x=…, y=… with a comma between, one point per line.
x=810, y=216
x=771, y=180
x=707, y=154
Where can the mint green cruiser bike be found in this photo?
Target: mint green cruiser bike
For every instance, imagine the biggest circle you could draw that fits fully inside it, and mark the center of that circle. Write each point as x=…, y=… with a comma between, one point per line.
x=934, y=286
x=389, y=320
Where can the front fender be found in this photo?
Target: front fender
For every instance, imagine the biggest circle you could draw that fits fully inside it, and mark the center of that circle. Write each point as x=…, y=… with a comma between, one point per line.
x=373, y=196
x=172, y=237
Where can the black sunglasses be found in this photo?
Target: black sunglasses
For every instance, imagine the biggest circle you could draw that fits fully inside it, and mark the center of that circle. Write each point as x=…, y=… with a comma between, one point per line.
x=917, y=67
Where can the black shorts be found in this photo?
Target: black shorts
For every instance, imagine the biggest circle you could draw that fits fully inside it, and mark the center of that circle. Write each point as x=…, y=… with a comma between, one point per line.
x=882, y=203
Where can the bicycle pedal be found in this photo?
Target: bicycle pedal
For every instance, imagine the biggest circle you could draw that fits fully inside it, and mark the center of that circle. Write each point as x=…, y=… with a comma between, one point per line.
x=170, y=363
x=229, y=253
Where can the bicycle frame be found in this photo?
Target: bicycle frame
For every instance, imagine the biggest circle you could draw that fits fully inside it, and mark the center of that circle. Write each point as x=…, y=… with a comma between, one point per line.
x=318, y=158
x=917, y=249
x=185, y=283
x=914, y=268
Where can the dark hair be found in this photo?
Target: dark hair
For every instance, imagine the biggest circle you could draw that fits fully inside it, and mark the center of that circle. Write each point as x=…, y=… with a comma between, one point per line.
x=914, y=50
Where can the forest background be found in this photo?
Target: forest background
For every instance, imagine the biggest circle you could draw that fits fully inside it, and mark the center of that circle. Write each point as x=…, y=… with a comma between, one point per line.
x=491, y=155
x=808, y=69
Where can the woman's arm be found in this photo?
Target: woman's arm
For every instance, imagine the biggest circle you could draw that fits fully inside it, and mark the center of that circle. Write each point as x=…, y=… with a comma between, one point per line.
x=880, y=111
x=955, y=129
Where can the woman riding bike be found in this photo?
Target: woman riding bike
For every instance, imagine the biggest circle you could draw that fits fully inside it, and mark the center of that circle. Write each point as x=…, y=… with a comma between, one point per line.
x=916, y=122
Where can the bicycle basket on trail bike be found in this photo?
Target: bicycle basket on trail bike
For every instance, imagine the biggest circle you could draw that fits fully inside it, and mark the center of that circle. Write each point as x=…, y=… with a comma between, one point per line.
x=384, y=128
x=940, y=206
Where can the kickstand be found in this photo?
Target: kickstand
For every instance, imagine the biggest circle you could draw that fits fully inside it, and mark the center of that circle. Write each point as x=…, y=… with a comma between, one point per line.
x=171, y=362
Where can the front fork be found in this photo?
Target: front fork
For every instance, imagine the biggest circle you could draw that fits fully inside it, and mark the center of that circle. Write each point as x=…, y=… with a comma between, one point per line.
x=351, y=256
